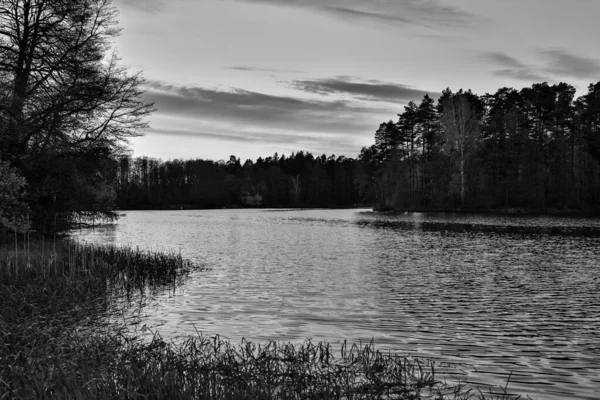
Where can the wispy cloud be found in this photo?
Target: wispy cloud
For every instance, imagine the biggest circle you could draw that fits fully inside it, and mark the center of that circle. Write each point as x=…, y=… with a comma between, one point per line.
x=250, y=69
x=244, y=116
x=504, y=60
x=512, y=68
x=554, y=65
x=241, y=137
x=563, y=63
x=317, y=144
x=428, y=13
x=372, y=90
x=247, y=68
x=257, y=109
x=142, y=5
x=522, y=74
x=347, y=12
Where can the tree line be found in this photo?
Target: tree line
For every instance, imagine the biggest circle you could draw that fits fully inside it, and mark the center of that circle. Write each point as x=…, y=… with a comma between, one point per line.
x=300, y=180
x=534, y=149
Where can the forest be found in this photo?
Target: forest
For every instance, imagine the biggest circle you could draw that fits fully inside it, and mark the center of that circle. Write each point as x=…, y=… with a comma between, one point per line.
x=532, y=150
x=300, y=180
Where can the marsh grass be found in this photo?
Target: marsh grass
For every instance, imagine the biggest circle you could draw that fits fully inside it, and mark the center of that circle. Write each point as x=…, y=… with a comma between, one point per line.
x=55, y=341
x=74, y=262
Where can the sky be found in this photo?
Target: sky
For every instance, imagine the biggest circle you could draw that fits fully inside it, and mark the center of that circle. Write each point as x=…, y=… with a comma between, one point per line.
x=253, y=77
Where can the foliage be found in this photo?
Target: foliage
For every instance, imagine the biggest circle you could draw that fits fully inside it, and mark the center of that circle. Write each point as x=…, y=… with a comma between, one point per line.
x=252, y=200
x=298, y=180
x=64, y=102
x=14, y=212
x=535, y=149
x=460, y=126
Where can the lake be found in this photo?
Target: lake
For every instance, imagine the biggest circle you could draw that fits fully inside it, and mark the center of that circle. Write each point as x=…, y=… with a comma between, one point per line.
x=490, y=295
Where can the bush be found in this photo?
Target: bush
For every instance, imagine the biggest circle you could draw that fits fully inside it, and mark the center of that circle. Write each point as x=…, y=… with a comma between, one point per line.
x=14, y=212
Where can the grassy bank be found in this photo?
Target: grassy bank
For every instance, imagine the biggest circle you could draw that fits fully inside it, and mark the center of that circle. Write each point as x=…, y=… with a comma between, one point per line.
x=56, y=341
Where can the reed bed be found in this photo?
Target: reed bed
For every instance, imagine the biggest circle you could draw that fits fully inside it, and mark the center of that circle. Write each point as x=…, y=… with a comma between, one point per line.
x=71, y=261
x=55, y=342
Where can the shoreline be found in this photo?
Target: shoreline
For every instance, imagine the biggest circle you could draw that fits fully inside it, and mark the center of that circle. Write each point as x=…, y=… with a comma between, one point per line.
x=503, y=211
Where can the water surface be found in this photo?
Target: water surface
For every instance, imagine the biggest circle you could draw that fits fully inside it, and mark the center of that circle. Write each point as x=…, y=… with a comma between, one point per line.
x=491, y=295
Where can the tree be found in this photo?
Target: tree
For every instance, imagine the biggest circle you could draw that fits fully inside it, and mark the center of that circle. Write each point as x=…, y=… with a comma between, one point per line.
x=387, y=139
x=529, y=149
x=407, y=124
x=13, y=210
x=461, y=126
x=62, y=91
x=588, y=125
x=428, y=124
x=589, y=116
x=503, y=152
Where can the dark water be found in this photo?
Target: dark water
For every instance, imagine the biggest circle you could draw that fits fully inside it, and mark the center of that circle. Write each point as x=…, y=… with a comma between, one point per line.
x=490, y=295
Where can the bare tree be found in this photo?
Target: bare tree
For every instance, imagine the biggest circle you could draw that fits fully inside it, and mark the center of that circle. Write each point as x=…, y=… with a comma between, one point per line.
x=61, y=83
x=461, y=125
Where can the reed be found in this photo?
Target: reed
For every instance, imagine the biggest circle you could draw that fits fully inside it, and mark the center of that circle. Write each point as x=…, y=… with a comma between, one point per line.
x=56, y=342
x=71, y=261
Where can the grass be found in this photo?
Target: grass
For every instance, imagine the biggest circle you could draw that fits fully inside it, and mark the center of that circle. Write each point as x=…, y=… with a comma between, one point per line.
x=56, y=341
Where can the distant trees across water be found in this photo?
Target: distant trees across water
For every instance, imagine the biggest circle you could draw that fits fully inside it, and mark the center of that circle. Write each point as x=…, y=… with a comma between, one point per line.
x=300, y=180
x=535, y=149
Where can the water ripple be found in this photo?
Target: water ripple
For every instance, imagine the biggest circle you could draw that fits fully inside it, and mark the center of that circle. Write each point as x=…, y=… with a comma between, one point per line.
x=495, y=296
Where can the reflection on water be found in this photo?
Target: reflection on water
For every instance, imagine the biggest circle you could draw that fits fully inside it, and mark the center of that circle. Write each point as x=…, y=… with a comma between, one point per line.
x=501, y=294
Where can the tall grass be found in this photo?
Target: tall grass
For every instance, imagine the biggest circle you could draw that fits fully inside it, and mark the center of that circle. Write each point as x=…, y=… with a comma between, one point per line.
x=69, y=261
x=56, y=343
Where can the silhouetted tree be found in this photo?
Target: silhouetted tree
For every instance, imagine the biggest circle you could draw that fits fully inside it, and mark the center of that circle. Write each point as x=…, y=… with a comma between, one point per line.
x=461, y=128
x=64, y=98
x=13, y=209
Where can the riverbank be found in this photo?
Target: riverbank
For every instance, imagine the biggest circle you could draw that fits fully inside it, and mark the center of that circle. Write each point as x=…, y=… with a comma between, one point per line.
x=56, y=341
x=187, y=207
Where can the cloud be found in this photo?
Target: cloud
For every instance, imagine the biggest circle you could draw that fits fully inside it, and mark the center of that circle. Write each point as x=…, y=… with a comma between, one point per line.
x=444, y=37
x=283, y=143
x=246, y=68
x=241, y=137
x=504, y=60
x=261, y=120
x=371, y=90
x=522, y=74
x=368, y=15
x=249, y=108
x=150, y=6
x=250, y=69
x=241, y=116
x=554, y=65
x=562, y=63
x=513, y=68
x=427, y=13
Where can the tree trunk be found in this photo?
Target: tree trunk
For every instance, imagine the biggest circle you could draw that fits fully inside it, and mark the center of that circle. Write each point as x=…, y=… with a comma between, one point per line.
x=462, y=181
